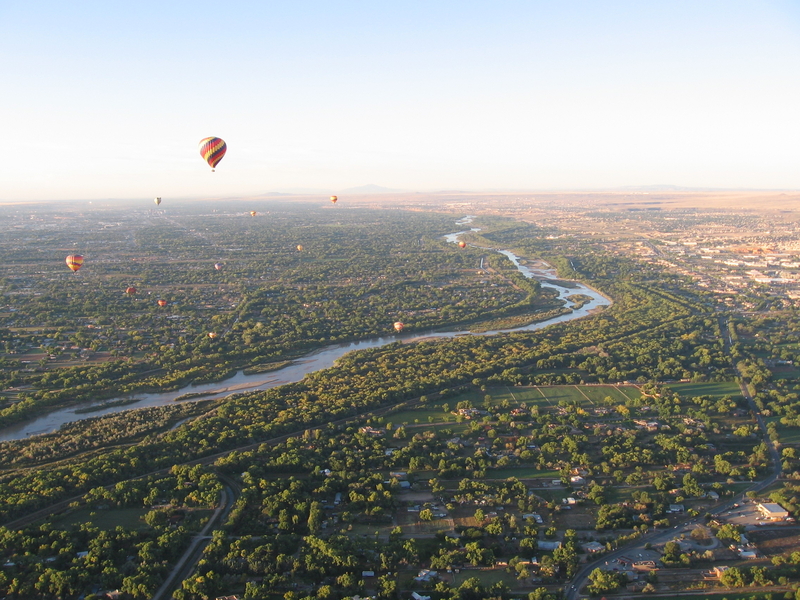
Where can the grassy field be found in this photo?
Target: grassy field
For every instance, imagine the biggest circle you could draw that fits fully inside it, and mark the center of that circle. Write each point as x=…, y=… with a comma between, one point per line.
x=715, y=389
x=523, y=472
x=789, y=435
x=106, y=520
x=570, y=393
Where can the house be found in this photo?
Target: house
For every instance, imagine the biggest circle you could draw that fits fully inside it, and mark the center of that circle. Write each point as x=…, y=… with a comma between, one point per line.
x=234, y=597
x=548, y=545
x=676, y=508
x=368, y=573
x=577, y=480
x=535, y=516
x=748, y=554
x=772, y=511
x=712, y=495
x=426, y=575
x=593, y=547
x=371, y=431
x=417, y=596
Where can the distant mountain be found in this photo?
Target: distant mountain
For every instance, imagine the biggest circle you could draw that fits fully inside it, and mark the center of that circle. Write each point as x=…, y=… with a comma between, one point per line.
x=370, y=189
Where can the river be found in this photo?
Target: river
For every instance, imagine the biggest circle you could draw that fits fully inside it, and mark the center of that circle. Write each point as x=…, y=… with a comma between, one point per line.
x=314, y=361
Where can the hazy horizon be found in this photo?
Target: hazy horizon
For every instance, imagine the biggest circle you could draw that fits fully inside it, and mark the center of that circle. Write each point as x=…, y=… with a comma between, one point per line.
x=111, y=102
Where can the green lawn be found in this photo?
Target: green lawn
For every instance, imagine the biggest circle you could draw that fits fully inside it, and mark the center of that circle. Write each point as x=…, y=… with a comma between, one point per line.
x=789, y=435
x=598, y=393
x=522, y=472
x=716, y=389
x=107, y=520
x=630, y=391
x=570, y=393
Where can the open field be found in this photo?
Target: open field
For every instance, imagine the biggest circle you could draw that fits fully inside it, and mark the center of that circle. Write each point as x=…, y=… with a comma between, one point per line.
x=788, y=435
x=103, y=519
x=715, y=389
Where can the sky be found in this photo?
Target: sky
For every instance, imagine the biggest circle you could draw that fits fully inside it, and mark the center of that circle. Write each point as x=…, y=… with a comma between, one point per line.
x=104, y=100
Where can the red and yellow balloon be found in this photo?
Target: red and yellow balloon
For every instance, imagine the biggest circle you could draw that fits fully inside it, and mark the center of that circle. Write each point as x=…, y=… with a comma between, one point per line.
x=75, y=262
x=212, y=149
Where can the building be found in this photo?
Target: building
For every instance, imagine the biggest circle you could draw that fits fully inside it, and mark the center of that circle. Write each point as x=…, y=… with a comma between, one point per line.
x=593, y=547
x=547, y=545
x=773, y=512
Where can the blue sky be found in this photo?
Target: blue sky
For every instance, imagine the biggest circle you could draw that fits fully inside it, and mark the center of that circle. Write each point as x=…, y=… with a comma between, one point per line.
x=108, y=100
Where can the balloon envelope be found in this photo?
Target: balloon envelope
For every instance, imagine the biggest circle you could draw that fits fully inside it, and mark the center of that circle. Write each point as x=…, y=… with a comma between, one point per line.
x=157, y=200
x=74, y=262
x=212, y=149
x=253, y=213
x=398, y=326
x=462, y=244
x=218, y=266
x=334, y=199
x=130, y=291
x=162, y=302
x=299, y=247
x=212, y=335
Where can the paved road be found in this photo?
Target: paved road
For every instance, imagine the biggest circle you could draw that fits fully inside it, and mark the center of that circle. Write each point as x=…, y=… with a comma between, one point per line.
x=188, y=561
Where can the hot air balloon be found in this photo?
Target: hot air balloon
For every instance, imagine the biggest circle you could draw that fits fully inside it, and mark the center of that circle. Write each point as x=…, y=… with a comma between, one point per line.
x=130, y=291
x=212, y=149
x=398, y=326
x=253, y=213
x=218, y=266
x=462, y=244
x=162, y=302
x=74, y=262
x=334, y=199
x=157, y=200
x=299, y=247
x=212, y=335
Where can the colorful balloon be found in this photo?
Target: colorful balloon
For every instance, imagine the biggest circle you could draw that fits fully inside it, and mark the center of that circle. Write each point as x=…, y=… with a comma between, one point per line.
x=212, y=149
x=299, y=247
x=253, y=213
x=130, y=291
x=157, y=200
x=398, y=326
x=212, y=335
x=334, y=199
x=218, y=266
x=462, y=244
x=74, y=262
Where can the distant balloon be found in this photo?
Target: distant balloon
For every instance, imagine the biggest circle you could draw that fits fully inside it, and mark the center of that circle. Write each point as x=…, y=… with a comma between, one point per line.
x=462, y=244
x=212, y=149
x=162, y=302
x=157, y=200
x=74, y=262
x=299, y=247
x=218, y=266
x=212, y=335
x=253, y=213
x=334, y=199
x=130, y=291
x=398, y=326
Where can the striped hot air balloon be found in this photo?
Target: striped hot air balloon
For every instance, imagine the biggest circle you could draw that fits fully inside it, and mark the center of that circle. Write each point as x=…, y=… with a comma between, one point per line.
x=398, y=326
x=74, y=262
x=162, y=302
x=130, y=291
x=157, y=200
x=334, y=199
x=212, y=149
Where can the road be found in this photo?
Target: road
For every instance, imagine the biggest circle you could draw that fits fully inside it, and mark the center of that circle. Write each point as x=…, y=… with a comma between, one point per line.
x=572, y=591
x=187, y=563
